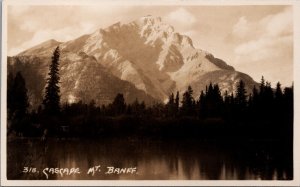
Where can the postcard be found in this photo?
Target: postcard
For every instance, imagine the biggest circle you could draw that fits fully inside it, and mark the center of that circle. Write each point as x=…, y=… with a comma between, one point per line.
x=150, y=93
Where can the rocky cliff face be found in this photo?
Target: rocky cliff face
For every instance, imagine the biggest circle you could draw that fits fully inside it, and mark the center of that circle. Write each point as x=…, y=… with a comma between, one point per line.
x=144, y=59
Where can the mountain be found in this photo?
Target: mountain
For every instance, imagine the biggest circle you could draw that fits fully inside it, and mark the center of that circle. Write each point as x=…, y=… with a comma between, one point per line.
x=145, y=58
x=82, y=78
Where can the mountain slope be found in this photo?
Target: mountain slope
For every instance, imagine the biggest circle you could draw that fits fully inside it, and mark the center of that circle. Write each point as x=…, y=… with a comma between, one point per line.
x=146, y=54
x=81, y=77
x=150, y=54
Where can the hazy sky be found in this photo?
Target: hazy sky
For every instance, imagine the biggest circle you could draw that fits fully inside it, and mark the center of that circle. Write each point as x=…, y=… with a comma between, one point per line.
x=257, y=40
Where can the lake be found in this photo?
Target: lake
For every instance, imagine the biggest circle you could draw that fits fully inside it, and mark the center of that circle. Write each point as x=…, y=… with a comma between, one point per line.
x=148, y=159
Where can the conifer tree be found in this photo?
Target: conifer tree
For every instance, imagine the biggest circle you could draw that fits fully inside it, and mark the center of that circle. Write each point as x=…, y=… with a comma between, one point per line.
x=171, y=105
x=187, y=102
x=138, y=108
x=217, y=95
x=201, y=105
x=20, y=103
x=241, y=98
x=119, y=105
x=52, y=92
x=177, y=103
x=10, y=98
x=255, y=100
x=278, y=92
x=226, y=98
x=262, y=85
x=268, y=95
x=255, y=94
x=278, y=100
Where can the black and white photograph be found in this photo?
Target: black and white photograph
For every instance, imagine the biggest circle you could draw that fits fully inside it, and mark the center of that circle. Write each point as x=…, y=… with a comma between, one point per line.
x=183, y=92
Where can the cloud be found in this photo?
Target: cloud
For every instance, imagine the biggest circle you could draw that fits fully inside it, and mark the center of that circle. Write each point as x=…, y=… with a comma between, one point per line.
x=241, y=28
x=181, y=18
x=279, y=24
x=265, y=45
x=266, y=38
x=63, y=34
x=29, y=25
x=264, y=48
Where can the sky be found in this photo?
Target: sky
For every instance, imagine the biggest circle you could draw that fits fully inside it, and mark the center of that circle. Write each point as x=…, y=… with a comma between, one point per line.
x=256, y=40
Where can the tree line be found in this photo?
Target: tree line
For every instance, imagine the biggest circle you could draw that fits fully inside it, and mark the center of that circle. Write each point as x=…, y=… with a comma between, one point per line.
x=264, y=110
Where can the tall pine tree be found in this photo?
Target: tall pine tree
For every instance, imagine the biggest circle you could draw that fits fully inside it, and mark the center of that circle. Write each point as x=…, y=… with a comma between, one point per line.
x=52, y=92
x=262, y=86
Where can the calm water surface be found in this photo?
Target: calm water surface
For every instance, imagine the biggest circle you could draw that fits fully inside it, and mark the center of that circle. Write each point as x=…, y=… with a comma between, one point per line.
x=152, y=159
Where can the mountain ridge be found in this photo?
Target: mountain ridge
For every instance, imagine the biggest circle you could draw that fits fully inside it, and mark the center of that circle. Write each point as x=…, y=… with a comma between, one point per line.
x=148, y=54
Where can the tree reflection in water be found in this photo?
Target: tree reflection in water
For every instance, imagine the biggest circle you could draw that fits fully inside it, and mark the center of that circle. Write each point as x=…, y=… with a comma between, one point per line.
x=154, y=159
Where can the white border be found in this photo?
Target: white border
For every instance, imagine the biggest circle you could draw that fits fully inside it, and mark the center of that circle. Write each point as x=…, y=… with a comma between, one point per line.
x=296, y=11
